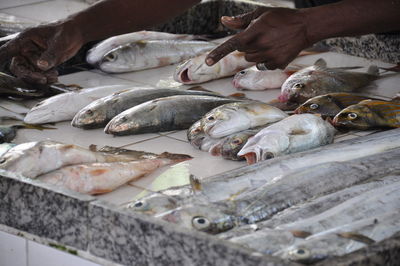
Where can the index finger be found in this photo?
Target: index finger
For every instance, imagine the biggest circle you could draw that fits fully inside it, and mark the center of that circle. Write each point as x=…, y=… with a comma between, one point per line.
x=224, y=49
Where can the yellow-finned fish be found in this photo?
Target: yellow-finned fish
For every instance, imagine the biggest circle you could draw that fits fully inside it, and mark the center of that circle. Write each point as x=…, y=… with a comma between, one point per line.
x=369, y=114
x=329, y=104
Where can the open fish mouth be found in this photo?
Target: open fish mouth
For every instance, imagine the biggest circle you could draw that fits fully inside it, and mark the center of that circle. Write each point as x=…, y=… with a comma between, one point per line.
x=216, y=150
x=284, y=97
x=251, y=157
x=184, y=76
x=235, y=83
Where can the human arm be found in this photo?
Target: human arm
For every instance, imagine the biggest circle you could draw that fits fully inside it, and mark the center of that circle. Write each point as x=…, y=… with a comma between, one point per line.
x=36, y=51
x=277, y=35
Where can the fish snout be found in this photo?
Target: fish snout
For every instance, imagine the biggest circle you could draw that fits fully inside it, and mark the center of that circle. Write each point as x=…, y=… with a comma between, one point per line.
x=250, y=157
x=216, y=150
x=283, y=97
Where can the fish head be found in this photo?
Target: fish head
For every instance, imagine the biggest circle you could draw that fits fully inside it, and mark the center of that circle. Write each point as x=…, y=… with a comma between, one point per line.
x=201, y=217
x=118, y=60
x=22, y=157
x=154, y=204
x=195, y=134
x=223, y=120
x=194, y=70
x=120, y=123
x=89, y=115
x=244, y=79
x=323, y=105
x=232, y=145
x=355, y=116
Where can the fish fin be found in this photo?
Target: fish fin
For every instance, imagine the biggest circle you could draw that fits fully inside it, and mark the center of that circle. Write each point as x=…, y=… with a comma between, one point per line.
x=356, y=237
x=238, y=95
x=195, y=183
x=373, y=70
x=198, y=88
x=38, y=127
x=175, y=156
x=320, y=63
x=93, y=147
x=300, y=234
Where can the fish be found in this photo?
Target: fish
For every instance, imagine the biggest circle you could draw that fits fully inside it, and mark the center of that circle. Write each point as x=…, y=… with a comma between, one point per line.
x=100, y=178
x=163, y=114
x=32, y=159
x=330, y=104
x=5, y=147
x=100, y=112
x=12, y=110
x=292, y=134
x=318, y=80
x=63, y=107
x=145, y=54
x=267, y=200
x=234, y=117
x=195, y=70
x=230, y=145
x=97, y=52
x=256, y=80
x=369, y=114
x=198, y=139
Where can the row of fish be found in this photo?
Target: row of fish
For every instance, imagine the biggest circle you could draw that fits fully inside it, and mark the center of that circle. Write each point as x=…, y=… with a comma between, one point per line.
x=80, y=169
x=300, y=213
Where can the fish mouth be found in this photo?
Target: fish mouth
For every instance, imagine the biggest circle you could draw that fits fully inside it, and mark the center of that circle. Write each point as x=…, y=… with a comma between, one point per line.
x=235, y=83
x=184, y=76
x=283, y=98
x=251, y=158
x=216, y=150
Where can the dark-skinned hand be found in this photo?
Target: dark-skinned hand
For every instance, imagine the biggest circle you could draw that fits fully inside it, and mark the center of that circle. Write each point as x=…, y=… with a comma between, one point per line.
x=273, y=36
x=35, y=52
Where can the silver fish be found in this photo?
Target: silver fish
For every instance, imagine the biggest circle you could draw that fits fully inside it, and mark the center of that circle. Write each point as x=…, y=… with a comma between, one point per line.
x=100, y=112
x=234, y=117
x=4, y=147
x=163, y=114
x=318, y=80
x=95, y=54
x=64, y=106
x=198, y=139
x=195, y=70
x=144, y=54
x=293, y=134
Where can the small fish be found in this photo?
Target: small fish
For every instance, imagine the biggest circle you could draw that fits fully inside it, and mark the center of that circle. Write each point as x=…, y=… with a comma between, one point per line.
x=163, y=114
x=32, y=159
x=95, y=54
x=369, y=114
x=329, y=105
x=229, y=146
x=256, y=80
x=100, y=112
x=235, y=117
x=99, y=178
x=293, y=134
x=318, y=80
x=144, y=54
x=64, y=106
x=195, y=70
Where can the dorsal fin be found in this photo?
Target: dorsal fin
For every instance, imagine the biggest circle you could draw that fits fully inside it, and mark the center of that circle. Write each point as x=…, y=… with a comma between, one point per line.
x=195, y=183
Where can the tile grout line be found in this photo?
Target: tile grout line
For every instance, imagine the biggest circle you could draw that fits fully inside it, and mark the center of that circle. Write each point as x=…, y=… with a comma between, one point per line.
x=140, y=141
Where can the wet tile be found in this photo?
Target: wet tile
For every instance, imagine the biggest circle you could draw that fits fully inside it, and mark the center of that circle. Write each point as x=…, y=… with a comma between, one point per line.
x=15, y=3
x=47, y=11
x=180, y=135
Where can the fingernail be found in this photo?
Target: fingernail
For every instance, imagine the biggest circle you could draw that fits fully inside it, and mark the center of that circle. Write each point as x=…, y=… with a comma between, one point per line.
x=226, y=18
x=209, y=61
x=42, y=64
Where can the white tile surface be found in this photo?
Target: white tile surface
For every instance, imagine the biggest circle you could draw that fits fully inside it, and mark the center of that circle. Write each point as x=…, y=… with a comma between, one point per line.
x=15, y=3
x=47, y=11
x=12, y=250
x=89, y=79
x=40, y=255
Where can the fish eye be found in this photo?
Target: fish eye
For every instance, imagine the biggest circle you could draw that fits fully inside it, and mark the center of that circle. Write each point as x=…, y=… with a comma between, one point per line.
x=111, y=57
x=352, y=115
x=314, y=106
x=200, y=223
x=237, y=141
x=210, y=118
x=89, y=112
x=300, y=253
x=2, y=160
x=242, y=72
x=138, y=205
x=123, y=119
x=298, y=85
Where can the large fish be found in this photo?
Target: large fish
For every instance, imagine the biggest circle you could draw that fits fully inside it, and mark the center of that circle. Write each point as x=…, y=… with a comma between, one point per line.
x=253, y=79
x=369, y=114
x=100, y=112
x=64, y=106
x=329, y=105
x=318, y=80
x=144, y=54
x=234, y=117
x=163, y=114
x=32, y=159
x=291, y=188
x=195, y=70
x=95, y=54
x=98, y=178
x=293, y=134
x=343, y=239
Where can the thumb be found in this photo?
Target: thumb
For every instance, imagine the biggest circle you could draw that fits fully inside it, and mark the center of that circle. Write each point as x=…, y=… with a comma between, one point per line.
x=242, y=21
x=49, y=58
